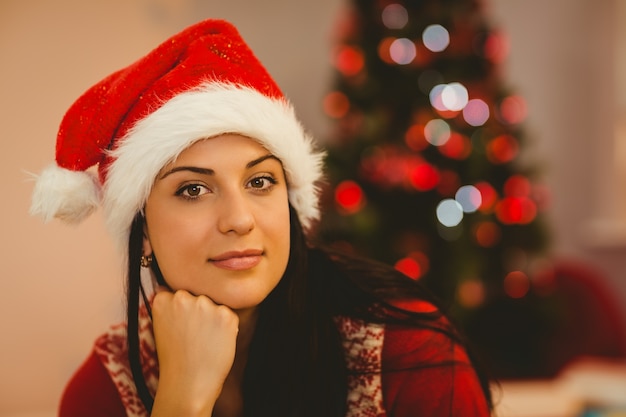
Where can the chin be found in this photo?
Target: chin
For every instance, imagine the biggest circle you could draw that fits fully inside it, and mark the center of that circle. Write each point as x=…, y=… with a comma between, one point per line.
x=240, y=303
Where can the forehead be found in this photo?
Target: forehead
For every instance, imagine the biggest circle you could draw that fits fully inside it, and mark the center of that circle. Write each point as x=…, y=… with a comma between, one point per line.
x=226, y=145
x=220, y=149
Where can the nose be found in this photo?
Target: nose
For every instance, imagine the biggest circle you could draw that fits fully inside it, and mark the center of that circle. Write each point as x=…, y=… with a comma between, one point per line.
x=235, y=214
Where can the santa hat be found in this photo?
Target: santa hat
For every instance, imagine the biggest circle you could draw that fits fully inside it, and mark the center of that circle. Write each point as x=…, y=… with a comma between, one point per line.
x=202, y=82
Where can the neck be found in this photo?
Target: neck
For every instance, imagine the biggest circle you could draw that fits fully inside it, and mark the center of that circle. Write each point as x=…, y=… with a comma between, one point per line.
x=247, y=325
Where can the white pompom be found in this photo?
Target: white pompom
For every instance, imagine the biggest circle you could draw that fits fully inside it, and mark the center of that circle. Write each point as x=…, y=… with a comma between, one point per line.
x=67, y=195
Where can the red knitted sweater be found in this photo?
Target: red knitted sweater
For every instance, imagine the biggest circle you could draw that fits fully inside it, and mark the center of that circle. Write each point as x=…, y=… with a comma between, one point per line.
x=102, y=386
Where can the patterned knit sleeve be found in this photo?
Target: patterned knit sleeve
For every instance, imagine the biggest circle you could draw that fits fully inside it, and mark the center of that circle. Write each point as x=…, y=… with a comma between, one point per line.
x=424, y=373
x=91, y=393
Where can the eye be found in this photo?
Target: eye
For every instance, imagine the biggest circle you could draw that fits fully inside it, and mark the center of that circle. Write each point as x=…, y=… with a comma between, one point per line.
x=192, y=191
x=262, y=183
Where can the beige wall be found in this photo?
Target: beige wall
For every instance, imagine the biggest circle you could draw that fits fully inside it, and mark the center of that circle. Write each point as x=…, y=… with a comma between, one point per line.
x=63, y=285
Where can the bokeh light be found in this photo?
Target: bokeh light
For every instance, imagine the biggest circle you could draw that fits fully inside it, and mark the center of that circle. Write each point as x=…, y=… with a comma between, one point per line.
x=449, y=212
x=471, y=293
x=454, y=96
x=448, y=182
x=488, y=196
x=513, y=110
x=496, y=47
x=487, y=234
x=409, y=267
x=516, y=284
x=436, y=38
x=414, y=265
x=349, y=197
x=457, y=146
x=517, y=186
x=469, y=198
x=424, y=176
x=449, y=97
x=502, y=149
x=395, y=16
x=349, y=60
x=384, y=48
x=435, y=97
x=437, y=132
x=516, y=210
x=414, y=137
x=402, y=51
x=336, y=104
x=476, y=112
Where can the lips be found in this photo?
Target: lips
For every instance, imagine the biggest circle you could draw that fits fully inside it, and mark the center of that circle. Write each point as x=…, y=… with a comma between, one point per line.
x=238, y=260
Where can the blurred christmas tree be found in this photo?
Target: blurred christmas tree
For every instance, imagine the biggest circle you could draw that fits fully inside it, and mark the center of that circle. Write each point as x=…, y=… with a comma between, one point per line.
x=424, y=160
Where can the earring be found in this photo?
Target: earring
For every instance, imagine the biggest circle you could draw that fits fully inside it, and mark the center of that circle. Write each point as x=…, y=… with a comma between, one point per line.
x=146, y=261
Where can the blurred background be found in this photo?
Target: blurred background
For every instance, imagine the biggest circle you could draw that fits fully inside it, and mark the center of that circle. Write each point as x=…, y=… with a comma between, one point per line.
x=492, y=133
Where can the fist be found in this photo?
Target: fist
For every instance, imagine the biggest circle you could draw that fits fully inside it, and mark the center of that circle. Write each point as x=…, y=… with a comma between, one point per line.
x=195, y=341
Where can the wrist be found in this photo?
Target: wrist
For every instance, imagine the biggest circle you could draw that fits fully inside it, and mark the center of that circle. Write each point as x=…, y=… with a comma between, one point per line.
x=184, y=398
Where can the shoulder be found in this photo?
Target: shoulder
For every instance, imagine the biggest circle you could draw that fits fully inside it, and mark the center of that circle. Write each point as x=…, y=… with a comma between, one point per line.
x=414, y=369
x=103, y=385
x=427, y=368
x=91, y=392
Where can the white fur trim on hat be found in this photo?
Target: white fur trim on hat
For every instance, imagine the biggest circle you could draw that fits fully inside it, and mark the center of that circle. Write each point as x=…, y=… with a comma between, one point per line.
x=209, y=110
x=67, y=195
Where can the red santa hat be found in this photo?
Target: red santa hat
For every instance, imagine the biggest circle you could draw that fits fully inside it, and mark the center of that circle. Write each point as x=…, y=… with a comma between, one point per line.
x=202, y=82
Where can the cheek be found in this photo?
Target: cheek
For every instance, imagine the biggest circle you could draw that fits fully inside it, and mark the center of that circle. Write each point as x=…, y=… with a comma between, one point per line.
x=279, y=225
x=174, y=236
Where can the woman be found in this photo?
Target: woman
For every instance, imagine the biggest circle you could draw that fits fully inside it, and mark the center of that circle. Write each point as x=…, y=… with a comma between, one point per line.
x=210, y=184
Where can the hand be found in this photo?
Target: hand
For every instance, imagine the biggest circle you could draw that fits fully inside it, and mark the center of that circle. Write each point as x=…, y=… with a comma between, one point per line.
x=195, y=341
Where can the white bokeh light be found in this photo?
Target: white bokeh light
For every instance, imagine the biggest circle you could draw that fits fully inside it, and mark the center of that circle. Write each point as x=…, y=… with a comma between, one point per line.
x=454, y=96
x=436, y=38
x=437, y=132
x=476, y=113
x=449, y=212
x=435, y=97
x=402, y=51
x=469, y=198
x=395, y=16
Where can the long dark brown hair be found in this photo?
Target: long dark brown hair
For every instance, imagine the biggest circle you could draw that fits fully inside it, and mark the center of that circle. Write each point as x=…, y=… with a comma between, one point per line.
x=296, y=364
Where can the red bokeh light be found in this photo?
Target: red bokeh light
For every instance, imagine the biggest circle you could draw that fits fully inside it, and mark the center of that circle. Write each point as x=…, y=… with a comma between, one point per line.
x=516, y=284
x=409, y=267
x=349, y=60
x=384, y=50
x=502, y=149
x=414, y=137
x=516, y=210
x=449, y=183
x=336, y=104
x=489, y=196
x=517, y=186
x=349, y=196
x=456, y=147
x=424, y=176
x=414, y=265
x=471, y=293
x=513, y=109
x=496, y=47
x=487, y=234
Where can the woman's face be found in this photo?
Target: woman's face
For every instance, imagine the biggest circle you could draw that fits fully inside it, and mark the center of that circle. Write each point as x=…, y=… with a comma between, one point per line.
x=217, y=220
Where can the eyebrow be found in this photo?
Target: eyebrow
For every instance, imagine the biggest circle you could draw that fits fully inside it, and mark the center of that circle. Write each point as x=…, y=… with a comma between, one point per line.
x=209, y=171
